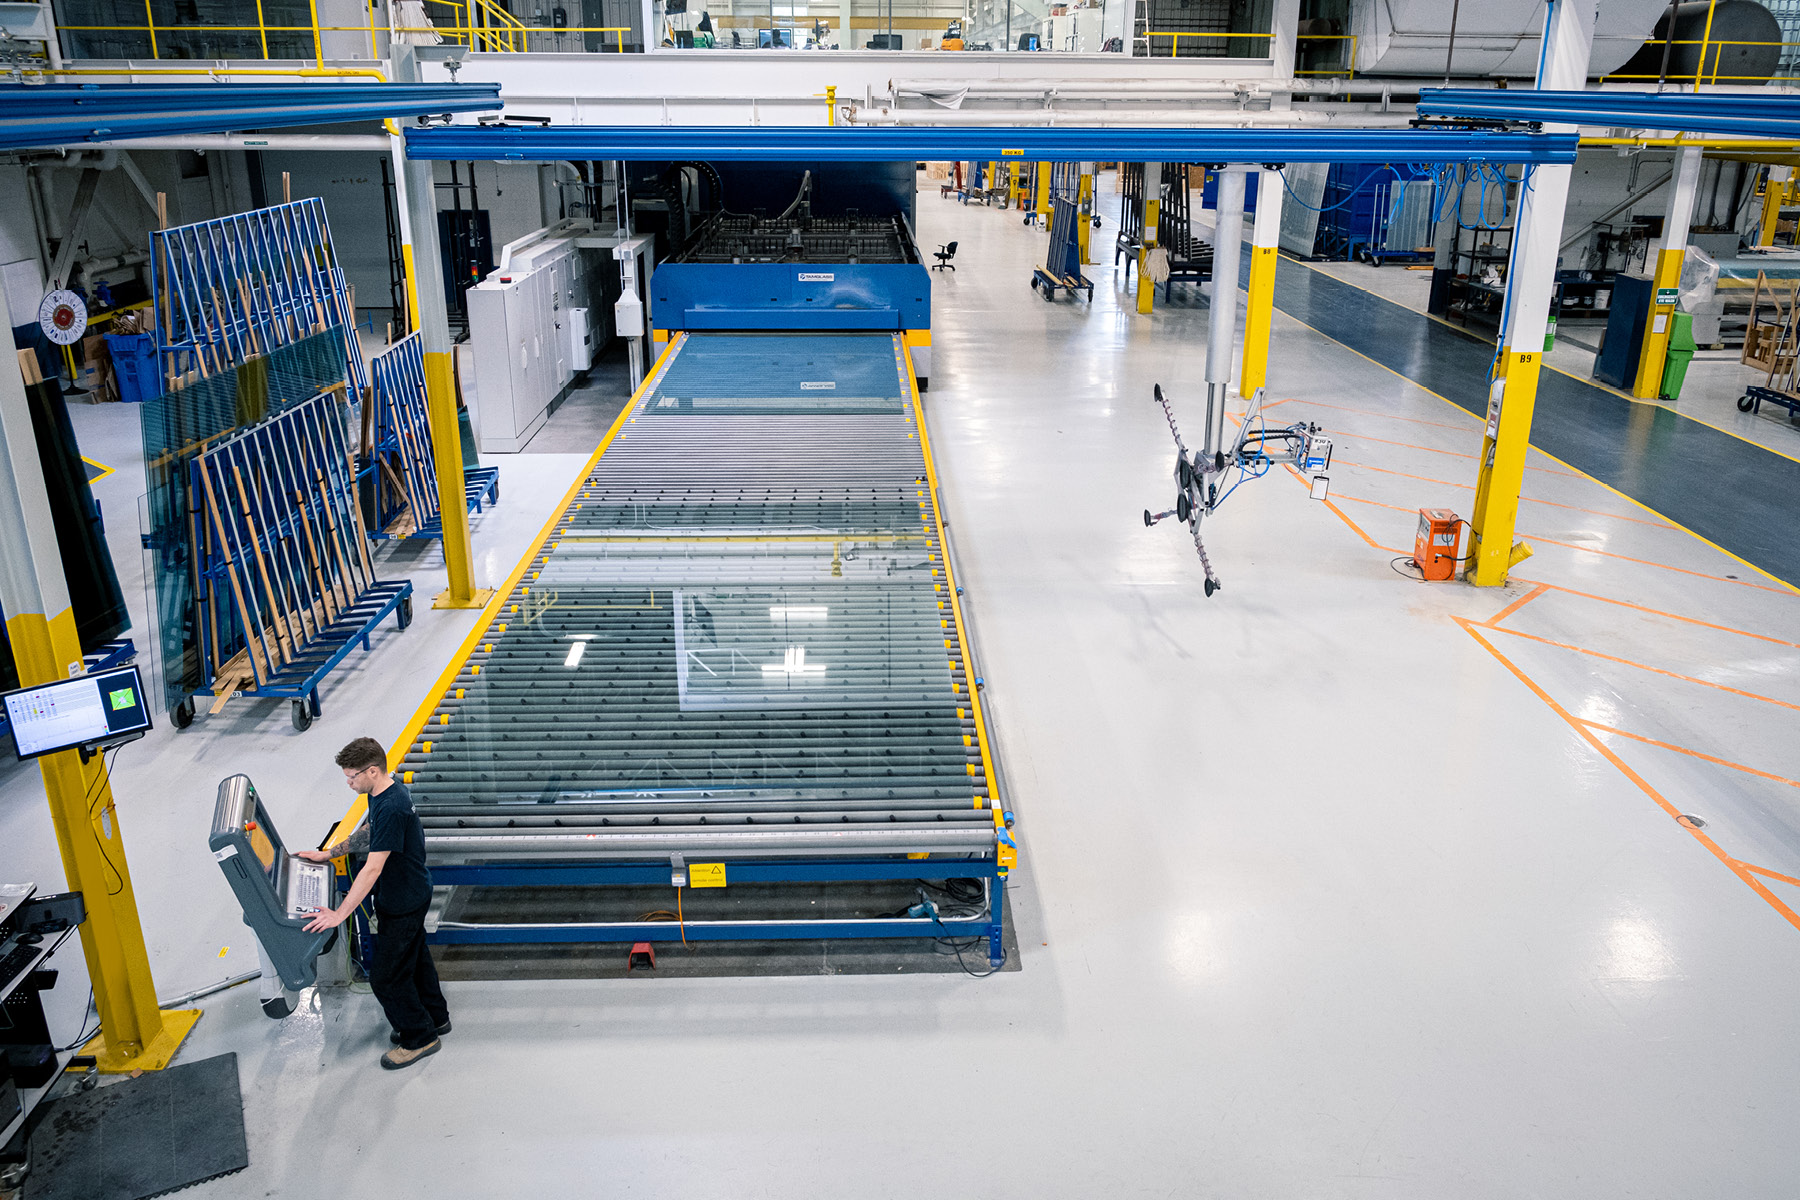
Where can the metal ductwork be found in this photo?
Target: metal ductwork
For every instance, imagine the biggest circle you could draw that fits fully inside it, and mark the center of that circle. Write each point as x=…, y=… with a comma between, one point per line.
x=1493, y=37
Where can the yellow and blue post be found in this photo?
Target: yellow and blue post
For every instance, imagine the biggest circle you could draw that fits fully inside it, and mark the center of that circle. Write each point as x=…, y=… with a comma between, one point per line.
x=1652, y=358
x=135, y=1034
x=1775, y=193
x=1259, y=308
x=417, y=207
x=1530, y=284
x=1150, y=212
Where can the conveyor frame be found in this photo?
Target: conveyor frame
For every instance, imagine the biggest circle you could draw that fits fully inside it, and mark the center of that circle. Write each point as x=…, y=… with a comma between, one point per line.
x=989, y=867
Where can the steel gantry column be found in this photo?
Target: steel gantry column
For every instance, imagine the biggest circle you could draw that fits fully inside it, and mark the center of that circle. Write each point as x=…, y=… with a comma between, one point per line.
x=1221, y=329
x=1041, y=204
x=1668, y=273
x=1084, y=210
x=1775, y=190
x=1149, y=214
x=134, y=1033
x=1530, y=281
x=416, y=203
x=1259, y=305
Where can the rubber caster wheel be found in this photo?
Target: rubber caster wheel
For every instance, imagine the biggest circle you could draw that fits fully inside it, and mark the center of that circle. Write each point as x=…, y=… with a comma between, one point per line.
x=182, y=715
x=495, y=499
x=1746, y=403
x=403, y=614
x=303, y=714
x=1034, y=283
x=1211, y=587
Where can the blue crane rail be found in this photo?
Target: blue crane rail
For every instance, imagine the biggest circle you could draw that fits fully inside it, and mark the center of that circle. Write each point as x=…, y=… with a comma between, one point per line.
x=54, y=114
x=776, y=143
x=1774, y=116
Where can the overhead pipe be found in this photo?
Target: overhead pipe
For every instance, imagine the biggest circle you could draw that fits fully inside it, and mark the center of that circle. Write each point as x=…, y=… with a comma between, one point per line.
x=370, y=142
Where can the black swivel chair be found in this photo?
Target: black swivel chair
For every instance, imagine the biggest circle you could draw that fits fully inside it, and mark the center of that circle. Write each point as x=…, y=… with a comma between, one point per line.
x=944, y=254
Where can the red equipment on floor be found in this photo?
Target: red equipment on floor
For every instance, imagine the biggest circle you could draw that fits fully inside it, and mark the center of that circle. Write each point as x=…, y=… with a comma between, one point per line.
x=1434, y=550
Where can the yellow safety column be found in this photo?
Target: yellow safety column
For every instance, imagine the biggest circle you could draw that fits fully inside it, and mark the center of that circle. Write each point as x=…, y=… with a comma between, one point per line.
x=1668, y=273
x=1530, y=283
x=1084, y=210
x=1150, y=210
x=1775, y=194
x=1259, y=311
x=416, y=202
x=1043, y=193
x=134, y=1033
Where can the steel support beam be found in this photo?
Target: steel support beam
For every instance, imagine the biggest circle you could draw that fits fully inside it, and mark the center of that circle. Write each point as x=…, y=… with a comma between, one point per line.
x=135, y=1033
x=1679, y=217
x=416, y=203
x=806, y=143
x=1149, y=214
x=1221, y=327
x=1530, y=283
x=1259, y=304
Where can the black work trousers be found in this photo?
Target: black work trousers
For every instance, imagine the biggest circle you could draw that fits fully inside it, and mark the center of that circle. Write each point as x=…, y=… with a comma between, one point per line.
x=405, y=980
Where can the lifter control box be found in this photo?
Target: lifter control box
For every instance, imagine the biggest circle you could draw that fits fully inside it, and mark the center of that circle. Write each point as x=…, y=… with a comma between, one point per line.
x=1434, y=549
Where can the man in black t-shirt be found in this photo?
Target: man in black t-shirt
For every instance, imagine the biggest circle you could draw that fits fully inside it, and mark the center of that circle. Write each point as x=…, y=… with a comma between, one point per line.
x=403, y=977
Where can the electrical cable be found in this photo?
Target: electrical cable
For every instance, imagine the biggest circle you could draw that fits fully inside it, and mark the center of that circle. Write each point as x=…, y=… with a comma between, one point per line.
x=1372, y=177
x=88, y=1033
x=105, y=776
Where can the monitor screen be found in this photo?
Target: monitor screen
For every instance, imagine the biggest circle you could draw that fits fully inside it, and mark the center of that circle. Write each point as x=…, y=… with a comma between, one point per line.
x=87, y=709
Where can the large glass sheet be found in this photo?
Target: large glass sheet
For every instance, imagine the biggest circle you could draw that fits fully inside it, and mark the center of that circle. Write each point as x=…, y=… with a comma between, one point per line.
x=177, y=426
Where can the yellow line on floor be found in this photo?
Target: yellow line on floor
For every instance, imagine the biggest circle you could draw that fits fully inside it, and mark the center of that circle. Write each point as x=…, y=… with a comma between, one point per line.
x=1781, y=583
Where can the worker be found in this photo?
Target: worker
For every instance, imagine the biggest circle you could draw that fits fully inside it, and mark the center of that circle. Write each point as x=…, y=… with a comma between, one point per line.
x=403, y=976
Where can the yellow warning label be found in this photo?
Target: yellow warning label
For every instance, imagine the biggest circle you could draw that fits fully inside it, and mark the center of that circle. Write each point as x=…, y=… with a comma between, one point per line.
x=1012, y=154
x=706, y=875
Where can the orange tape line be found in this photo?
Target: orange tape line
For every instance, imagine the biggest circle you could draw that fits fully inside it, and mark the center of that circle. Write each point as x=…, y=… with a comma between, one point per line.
x=1516, y=605
x=1390, y=416
x=1645, y=562
x=1761, y=637
x=1363, y=437
x=1772, y=874
x=1527, y=499
x=1736, y=868
x=1723, y=762
x=1532, y=637
x=1373, y=544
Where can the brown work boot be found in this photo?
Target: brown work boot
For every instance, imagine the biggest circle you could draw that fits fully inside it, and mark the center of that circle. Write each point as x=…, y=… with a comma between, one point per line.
x=400, y=1056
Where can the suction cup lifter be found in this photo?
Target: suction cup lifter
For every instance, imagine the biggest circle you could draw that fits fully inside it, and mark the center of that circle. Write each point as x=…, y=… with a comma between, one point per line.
x=1204, y=480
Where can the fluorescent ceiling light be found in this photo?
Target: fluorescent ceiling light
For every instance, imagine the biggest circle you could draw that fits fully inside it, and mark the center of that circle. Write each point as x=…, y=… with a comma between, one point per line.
x=792, y=663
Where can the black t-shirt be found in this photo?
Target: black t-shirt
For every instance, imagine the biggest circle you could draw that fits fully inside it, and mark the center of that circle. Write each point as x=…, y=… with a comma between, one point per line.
x=404, y=885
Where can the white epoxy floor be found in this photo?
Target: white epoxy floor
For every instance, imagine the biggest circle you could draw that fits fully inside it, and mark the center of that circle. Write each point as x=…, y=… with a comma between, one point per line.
x=1333, y=885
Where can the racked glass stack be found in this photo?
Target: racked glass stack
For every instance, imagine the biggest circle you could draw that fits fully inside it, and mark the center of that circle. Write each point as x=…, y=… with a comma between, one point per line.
x=740, y=637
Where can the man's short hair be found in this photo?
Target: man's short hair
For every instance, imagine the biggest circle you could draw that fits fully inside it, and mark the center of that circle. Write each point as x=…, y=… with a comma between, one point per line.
x=362, y=754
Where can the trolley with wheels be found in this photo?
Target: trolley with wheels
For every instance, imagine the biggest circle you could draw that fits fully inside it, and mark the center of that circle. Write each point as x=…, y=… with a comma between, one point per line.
x=1755, y=397
x=284, y=583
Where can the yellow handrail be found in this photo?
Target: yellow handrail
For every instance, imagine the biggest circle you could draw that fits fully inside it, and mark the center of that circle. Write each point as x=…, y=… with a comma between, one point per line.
x=1175, y=37
x=1346, y=67
x=1708, y=45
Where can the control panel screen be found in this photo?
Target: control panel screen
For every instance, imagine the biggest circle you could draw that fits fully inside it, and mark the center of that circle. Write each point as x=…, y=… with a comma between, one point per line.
x=88, y=709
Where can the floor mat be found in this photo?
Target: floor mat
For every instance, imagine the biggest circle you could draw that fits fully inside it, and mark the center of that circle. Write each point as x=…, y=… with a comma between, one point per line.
x=141, y=1137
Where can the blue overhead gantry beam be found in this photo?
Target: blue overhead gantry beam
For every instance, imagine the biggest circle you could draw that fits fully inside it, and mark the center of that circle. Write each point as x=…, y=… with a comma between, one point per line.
x=70, y=114
x=817, y=143
x=1685, y=112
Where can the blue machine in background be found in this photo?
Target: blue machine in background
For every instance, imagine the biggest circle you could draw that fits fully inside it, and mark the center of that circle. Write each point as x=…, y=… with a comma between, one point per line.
x=830, y=250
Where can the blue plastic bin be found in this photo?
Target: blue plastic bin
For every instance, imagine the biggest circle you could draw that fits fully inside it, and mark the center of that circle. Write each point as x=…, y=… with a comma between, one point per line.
x=134, y=365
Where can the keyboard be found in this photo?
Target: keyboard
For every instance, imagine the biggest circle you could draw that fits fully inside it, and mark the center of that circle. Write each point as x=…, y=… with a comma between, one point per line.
x=15, y=961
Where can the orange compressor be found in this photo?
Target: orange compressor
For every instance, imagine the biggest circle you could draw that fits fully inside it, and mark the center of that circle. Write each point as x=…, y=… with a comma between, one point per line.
x=1434, y=550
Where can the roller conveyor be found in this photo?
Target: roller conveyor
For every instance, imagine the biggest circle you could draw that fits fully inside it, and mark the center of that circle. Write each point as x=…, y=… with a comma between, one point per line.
x=739, y=641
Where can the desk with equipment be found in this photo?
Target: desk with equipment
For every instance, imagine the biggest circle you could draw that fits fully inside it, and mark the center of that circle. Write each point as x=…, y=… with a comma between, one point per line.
x=31, y=929
x=279, y=893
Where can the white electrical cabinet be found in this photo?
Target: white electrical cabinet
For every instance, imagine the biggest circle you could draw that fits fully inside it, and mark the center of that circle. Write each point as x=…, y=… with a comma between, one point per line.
x=532, y=327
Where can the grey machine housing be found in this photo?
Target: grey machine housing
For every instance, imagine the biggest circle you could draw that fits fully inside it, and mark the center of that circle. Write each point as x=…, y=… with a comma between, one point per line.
x=258, y=874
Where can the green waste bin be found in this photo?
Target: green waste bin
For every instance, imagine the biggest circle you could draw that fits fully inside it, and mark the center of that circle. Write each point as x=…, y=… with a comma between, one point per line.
x=1681, y=352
